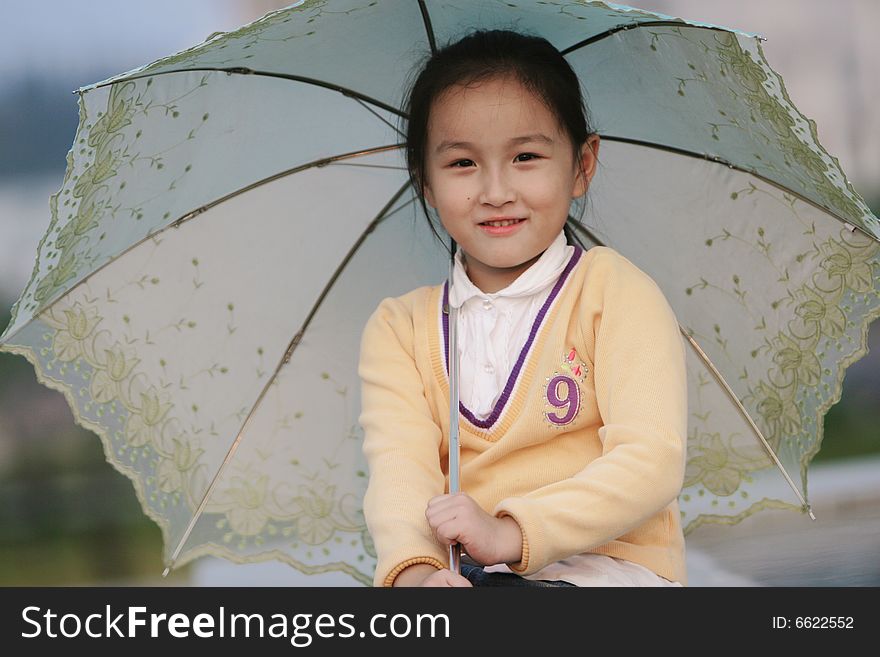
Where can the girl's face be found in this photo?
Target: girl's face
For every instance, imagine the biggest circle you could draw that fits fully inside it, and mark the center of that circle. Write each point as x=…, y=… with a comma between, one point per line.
x=496, y=151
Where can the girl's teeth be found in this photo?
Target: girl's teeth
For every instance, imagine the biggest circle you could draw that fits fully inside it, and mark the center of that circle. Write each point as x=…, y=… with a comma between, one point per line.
x=502, y=223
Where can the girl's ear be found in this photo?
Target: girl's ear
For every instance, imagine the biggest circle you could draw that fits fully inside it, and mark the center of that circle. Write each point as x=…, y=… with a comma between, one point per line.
x=589, y=155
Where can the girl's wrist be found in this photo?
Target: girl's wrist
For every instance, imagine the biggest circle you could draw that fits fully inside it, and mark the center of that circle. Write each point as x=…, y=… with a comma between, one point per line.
x=510, y=540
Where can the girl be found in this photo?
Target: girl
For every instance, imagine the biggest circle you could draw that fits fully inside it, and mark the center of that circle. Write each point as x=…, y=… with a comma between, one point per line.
x=573, y=404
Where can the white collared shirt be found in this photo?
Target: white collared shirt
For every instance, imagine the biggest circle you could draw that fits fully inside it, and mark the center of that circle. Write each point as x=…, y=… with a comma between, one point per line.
x=493, y=327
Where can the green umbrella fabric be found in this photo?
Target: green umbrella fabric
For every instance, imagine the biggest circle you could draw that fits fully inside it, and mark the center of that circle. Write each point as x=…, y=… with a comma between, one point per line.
x=232, y=214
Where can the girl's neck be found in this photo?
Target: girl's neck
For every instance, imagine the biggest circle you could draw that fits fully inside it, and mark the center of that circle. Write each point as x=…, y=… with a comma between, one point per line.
x=492, y=279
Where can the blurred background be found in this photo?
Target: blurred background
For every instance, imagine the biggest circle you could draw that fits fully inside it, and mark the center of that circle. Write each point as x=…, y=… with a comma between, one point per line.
x=69, y=518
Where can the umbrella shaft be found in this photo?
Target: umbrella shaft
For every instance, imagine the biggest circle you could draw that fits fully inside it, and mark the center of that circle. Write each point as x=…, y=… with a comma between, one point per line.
x=454, y=449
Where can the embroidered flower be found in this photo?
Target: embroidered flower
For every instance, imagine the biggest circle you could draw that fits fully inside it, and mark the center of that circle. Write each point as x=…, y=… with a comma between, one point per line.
x=572, y=365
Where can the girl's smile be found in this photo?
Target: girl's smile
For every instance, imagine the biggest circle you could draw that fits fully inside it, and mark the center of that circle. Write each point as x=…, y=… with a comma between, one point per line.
x=505, y=227
x=495, y=153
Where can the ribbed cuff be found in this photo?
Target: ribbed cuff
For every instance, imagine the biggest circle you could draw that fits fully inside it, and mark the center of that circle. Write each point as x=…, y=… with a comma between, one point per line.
x=389, y=579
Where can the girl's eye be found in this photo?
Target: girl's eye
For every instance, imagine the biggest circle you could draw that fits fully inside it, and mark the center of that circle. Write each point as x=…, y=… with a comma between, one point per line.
x=531, y=156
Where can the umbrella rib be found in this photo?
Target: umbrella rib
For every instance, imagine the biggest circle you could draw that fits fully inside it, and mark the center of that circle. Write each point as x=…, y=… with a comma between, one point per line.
x=194, y=213
x=383, y=214
x=727, y=389
x=368, y=166
x=381, y=118
x=243, y=70
x=630, y=26
x=804, y=504
x=429, y=29
x=719, y=160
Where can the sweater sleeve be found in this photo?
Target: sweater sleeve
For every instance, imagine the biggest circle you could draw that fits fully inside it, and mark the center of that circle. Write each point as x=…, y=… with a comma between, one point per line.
x=401, y=445
x=641, y=393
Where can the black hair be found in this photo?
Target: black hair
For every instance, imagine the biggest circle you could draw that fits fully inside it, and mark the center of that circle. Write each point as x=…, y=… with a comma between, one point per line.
x=484, y=55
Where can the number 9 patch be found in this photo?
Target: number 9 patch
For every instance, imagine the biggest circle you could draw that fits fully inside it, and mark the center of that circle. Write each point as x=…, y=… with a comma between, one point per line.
x=563, y=392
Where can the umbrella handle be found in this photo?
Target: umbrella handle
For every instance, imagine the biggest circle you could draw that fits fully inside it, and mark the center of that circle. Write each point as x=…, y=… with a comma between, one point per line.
x=455, y=558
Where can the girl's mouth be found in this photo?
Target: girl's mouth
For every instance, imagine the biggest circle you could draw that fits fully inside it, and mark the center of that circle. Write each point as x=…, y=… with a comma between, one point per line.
x=502, y=230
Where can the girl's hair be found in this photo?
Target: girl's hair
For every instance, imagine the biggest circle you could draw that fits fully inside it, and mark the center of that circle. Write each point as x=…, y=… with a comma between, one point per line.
x=481, y=56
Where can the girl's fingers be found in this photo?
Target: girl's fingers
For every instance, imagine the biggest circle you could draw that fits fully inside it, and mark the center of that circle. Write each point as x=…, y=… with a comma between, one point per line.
x=446, y=508
x=439, y=516
x=458, y=580
x=447, y=533
x=442, y=500
x=446, y=578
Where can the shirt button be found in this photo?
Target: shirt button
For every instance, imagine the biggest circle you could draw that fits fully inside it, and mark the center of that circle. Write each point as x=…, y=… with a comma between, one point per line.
x=488, y=368
x=487, y=304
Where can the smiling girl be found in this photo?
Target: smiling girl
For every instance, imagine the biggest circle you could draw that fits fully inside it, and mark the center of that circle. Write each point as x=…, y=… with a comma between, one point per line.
x=573, y=390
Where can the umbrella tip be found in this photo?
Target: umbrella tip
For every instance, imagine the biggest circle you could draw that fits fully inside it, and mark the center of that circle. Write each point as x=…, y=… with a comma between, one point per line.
x=809, y=510
x=166, y=571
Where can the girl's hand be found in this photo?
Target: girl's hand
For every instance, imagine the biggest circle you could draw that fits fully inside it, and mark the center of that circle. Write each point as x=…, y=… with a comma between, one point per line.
x=486, y=539
x=445, y=578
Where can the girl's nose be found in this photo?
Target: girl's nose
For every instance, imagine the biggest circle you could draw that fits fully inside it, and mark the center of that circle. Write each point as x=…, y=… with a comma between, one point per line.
x=497, y=189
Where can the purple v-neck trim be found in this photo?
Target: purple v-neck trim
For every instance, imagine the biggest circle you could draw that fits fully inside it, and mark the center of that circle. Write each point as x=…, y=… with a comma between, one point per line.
x=514, y=374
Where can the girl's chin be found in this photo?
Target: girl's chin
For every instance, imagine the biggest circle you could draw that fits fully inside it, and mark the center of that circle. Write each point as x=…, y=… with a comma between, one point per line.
x=502, y=264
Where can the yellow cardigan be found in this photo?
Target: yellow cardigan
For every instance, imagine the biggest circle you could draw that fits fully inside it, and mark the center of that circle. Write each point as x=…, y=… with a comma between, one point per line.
x=585, y=448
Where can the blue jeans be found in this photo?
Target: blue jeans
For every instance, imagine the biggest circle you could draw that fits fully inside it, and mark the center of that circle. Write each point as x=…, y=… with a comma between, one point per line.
x=479, y=577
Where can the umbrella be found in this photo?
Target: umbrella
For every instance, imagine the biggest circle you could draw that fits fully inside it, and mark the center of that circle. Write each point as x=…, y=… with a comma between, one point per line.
x=232, y=214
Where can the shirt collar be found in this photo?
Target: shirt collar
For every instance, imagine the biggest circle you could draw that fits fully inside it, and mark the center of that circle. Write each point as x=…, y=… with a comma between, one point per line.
x=533, y=280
